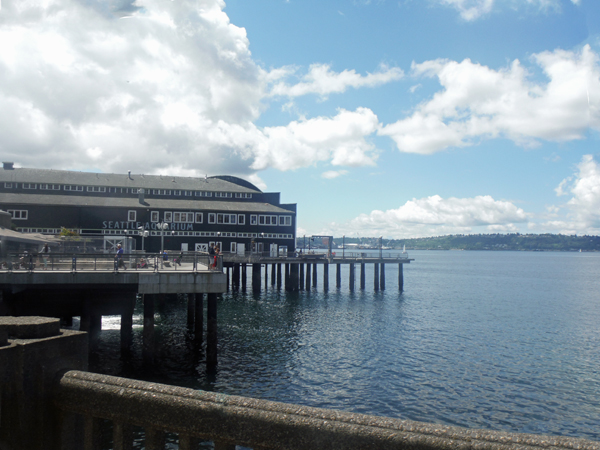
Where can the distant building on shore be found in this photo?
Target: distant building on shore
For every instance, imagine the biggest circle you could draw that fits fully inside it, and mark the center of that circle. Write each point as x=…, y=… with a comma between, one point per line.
x=194, y=212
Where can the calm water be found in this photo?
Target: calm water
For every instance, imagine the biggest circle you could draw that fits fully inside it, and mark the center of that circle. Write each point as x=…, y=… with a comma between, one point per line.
x=497, y=340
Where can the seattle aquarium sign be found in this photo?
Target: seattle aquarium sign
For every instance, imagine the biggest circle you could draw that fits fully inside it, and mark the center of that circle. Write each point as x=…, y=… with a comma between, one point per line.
x=125, y=225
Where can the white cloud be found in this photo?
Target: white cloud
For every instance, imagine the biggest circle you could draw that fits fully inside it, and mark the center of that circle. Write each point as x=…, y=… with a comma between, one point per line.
x=478, y=102
x=331, y=174
x=474, y=9
x=584, y=205
x=437, y=216
x=340, y=140
x=149, y=84
x=321, y=80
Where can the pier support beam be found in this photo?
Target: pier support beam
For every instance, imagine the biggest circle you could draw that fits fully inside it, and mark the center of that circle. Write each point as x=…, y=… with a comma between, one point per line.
x=382, y=277
x=294, y=277
x=211, y=330
x=198, y=317
x=351, y=277
x=314, y=275
x=279, y=275
x=376, y=277
x=191, y=308
x=227, y=277
x=266, y=275
x=326, y=276
x=362, y=276
x=301, y=276
x=338, y=276
x=400, y=277
x=244, y=276
x=273, y=274
x=235, y=281
x=256, y=276
x=127, y=325
x=308, y=276
x=148, y=333
x=287, y=278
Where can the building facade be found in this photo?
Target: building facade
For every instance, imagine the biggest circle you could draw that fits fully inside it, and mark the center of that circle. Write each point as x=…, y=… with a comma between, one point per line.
x=179, y=213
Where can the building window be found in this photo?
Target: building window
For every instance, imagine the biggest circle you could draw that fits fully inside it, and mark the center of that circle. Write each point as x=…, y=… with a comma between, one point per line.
x=168, y=216
x=154, y=216
x=285, y=220
x=224, y=194
x=198, y=217
x=96, y=189
x=188, y=193
x=267, y=220
x=18, y=214
x=183, y=217
x=253, y=219
x=212, y=218
x=241, y=219
x=8, y=185
x=177, y=193
x=69, y=187
x=29, y=185
x=131, y=216
x=50, y=187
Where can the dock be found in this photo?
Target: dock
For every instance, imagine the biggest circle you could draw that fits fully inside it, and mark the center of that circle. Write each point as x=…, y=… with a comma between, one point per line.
x=298, y=272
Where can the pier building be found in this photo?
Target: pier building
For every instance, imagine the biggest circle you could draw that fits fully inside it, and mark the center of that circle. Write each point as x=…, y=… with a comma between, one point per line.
x=183, y=213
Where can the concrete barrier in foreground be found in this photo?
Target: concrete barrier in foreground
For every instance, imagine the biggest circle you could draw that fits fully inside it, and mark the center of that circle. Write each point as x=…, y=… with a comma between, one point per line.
x=231, y=420
x=46, y=406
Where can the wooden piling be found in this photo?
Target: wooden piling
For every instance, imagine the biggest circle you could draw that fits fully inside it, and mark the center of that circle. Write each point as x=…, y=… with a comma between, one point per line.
x=301, y=276
x=279, y=275
x=198, y=317
x=382, y=277
x=326, y=276
x=376, y=277
x=308, y=276
x=351, y=277
x=338, y=276
x=211, y=330
x=400, y=277
x=244, y=276
x=148, y=333
x=256, y=277
x=363, y=276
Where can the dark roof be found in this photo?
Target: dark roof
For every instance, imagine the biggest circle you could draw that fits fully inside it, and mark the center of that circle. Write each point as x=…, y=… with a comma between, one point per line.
x=133, y=202
x=222, y=183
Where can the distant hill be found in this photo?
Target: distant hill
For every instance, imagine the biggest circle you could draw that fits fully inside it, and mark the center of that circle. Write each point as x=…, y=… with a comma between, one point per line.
x=514, y=241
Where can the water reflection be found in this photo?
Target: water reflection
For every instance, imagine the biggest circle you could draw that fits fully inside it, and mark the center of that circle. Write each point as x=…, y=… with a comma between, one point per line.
x=503, y=340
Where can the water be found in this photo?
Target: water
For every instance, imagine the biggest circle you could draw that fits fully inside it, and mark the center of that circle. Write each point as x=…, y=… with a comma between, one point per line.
x=496, y=340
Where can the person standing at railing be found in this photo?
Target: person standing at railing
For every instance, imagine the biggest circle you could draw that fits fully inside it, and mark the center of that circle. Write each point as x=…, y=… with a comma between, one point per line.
x=119, y=257
x=217, y=253
x=211, y=255
x=45, y=253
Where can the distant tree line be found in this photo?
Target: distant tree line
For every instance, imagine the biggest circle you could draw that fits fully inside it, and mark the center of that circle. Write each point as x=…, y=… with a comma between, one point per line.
x=513, y=241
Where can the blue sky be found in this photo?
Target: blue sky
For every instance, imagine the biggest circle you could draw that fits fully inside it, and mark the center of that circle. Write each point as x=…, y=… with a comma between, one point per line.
x=397, y=118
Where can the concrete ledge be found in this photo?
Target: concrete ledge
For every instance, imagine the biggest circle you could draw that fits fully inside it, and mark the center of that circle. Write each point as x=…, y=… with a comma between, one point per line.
x=29, y=327
x=256, y=423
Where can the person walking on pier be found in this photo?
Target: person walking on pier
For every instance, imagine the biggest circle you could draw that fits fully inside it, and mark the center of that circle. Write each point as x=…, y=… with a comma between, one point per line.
x=119, y=257
x=45, y=251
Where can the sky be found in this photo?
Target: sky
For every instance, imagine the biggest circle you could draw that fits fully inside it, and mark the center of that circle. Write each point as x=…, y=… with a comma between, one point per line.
x=401, y=119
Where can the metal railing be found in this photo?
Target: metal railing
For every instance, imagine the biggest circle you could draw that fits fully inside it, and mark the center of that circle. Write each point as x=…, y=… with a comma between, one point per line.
x=259, y=424
x=73, y=262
